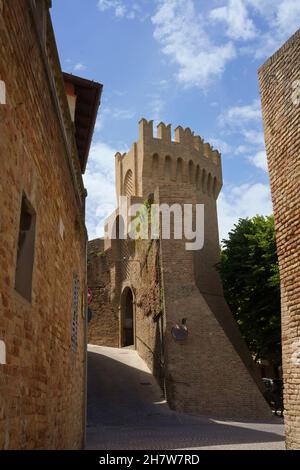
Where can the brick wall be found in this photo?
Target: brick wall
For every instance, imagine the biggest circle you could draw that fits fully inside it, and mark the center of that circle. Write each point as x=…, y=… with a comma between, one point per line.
x=208, y=373
x=212, y=372
x=103, y=328
x=150, y=319
x=281, y=125
x=42, y=384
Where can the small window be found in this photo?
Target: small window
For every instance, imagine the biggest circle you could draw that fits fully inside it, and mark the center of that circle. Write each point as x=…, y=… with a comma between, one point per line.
x=25, y=255
x=128, y=184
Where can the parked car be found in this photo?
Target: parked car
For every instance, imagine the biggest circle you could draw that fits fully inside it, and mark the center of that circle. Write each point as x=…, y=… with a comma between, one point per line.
x=274, y=394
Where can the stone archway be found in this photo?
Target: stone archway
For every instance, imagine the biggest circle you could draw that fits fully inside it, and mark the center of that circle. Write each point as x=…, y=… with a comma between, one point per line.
x=127, y=318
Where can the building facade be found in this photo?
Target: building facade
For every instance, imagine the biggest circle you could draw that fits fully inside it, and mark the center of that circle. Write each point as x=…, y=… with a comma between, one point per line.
x=280, y=95
x=163, y=299
x=46, y=126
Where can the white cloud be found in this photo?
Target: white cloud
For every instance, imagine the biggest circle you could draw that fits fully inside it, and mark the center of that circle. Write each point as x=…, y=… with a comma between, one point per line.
x=180, y=31
x=122, y=114
x=246, y=122
x=104, y=5
x=237, y=116
x=99, y=123
x=288, y=16
x=242, y=201
x=79, y=66
x=99, y=180
x=220, y=145
x=242, y=149
x=282, y=18
x=254, y=136
x=155, y=106
x=243, y=20
x=260, y=160
x=235, y=16
x=122, y=8
x=109, y=114
x=187, y=34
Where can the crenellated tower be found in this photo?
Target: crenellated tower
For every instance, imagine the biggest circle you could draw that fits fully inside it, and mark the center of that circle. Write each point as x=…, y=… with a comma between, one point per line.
x=159, y=160
x=185, y=170
x=158, y=288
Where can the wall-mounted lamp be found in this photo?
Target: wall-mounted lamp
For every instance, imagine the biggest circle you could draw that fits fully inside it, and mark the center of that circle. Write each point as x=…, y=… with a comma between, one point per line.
x=180, y=332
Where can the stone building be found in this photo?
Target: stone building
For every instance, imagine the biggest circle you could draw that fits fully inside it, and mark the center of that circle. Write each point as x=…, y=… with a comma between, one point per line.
x=280, y=95
x=46, y=125
x=165, y=300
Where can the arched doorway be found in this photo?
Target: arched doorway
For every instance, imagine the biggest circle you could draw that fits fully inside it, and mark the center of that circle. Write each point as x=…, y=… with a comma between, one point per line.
x=127, y=305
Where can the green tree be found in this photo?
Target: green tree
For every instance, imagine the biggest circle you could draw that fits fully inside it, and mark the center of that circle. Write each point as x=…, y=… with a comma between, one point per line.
x=250, y=276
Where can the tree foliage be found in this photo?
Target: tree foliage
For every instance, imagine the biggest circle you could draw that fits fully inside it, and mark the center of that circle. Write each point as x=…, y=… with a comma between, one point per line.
x=250, y=276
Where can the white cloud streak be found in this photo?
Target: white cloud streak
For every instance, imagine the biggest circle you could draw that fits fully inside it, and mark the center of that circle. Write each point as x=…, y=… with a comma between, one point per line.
x=193, y=40
x=237, y=116
x=242, y=201
x=79, y=67
x=180, y=31
x=235, y=16
x=245, y=121
x=99, y=180
x=260, y=160
x=123, y=8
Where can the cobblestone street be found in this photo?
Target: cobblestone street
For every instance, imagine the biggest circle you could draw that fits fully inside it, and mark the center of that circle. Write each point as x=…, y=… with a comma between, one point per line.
x=126, y=410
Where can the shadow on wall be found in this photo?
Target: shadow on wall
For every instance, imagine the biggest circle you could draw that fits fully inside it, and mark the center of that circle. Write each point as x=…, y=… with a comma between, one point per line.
x=159, y=357
x=127, y=406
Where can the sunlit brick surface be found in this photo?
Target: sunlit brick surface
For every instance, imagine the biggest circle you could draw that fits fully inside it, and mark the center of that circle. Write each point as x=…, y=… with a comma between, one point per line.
x=281, y=112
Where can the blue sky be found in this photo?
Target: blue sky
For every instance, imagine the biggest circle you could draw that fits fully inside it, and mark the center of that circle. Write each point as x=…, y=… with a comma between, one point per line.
x=191, y=63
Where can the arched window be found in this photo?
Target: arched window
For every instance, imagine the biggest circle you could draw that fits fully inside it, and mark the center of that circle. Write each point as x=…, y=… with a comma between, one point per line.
x=198, y=177
x=191, y=172
x=209, y=182
x=155, y=166
x=203, y=182
x=128, y=184
x=179, y=170
x=215, y=187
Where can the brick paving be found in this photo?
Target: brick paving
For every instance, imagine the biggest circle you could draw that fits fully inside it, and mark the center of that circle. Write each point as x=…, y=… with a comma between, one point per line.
x=126, y=410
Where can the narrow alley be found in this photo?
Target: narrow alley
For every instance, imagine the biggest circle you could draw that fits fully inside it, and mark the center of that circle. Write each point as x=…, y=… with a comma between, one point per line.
x=126, y=410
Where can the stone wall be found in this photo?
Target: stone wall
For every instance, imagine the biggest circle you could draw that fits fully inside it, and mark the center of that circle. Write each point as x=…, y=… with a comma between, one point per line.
x=150, y=318
x=42, y=384
x=142, y=275
x=103, y=328
x=280, y=86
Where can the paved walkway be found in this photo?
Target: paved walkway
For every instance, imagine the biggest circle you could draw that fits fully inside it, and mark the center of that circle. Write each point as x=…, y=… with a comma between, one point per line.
x=126, y=410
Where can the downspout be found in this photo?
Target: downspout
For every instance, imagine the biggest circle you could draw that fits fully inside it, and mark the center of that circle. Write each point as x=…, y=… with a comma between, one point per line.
x=84, y=418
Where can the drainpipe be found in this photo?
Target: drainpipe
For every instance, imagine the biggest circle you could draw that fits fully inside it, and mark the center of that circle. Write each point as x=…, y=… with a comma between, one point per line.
x=85, y=382
x=84, y=420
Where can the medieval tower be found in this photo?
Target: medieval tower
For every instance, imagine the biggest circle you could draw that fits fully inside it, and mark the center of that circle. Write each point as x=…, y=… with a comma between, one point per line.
x=280, y=97
x=168, y=301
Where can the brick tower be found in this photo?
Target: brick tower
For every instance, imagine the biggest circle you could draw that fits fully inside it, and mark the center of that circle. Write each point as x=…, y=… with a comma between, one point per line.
x=280, y=97
x=155, y=288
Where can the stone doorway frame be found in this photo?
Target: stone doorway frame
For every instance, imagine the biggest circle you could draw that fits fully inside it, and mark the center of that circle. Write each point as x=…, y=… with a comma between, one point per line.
x=122, y=311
